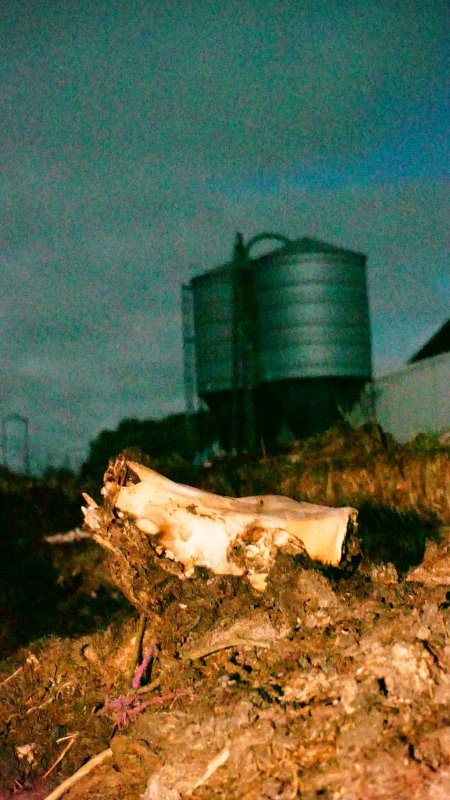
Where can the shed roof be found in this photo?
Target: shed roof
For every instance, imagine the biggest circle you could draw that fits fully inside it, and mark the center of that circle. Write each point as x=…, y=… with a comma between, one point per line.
x=308, y=244
x=439, y=343
x=305, y=244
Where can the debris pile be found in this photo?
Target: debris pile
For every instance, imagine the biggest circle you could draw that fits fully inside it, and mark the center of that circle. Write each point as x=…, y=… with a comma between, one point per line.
x=331, y=683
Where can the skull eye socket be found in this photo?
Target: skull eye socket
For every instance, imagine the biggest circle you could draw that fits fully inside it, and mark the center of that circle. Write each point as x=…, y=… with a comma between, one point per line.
x=131, y=477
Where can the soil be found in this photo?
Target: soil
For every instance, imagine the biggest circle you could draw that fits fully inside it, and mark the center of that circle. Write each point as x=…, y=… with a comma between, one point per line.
x=331, y=685
x=322, y=687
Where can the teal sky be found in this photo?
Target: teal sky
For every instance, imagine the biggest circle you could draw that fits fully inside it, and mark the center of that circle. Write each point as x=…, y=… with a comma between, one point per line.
x=136, y=137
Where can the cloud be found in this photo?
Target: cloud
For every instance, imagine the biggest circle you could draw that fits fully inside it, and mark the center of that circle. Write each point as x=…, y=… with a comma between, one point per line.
x=137, y=139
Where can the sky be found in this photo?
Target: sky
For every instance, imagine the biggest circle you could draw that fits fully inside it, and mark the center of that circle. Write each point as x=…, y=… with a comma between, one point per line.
x=136, y=137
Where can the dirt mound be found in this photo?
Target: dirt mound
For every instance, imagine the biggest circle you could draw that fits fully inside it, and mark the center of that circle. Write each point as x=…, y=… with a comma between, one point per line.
x=329, y=685
x=318, y=688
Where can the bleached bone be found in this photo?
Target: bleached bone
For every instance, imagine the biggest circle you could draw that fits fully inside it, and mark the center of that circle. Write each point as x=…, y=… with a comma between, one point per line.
x=231, y=536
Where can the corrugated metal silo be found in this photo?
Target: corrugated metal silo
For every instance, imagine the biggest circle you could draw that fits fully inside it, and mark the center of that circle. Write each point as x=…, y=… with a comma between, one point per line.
x=313, y=334
x=213, y=321
x=313, y=317
x=290, y=329
x=215, y=343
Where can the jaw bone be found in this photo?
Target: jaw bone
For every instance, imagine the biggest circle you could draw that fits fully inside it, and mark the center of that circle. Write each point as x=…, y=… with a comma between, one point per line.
x=229, y=536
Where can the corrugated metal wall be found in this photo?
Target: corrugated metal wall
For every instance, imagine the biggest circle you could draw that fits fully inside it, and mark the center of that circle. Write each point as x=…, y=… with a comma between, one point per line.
x=414, y=400
x=313, y=316
x=213, y=314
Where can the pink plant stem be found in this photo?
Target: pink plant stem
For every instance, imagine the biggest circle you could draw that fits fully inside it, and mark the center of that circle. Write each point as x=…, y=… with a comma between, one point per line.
x=141, y=669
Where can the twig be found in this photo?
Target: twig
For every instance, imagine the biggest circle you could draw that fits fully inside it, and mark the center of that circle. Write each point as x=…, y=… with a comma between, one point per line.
x=49, y=699
x=213, y=765
x=149, y=687
x=208, y=650
x=61, y=755
x=76, y=535
x=65, y=738
x=138, y=644
x=93, y=762
x=10, y=677
x=42, y=705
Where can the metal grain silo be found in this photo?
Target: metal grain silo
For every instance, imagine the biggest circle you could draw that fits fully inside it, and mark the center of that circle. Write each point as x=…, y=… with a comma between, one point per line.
x=283, y=340
x=312, y=334
x=211, y=328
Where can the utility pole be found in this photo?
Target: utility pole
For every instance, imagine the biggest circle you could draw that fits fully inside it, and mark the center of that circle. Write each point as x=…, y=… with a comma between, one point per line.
x=190, y=394
x=243, y=411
